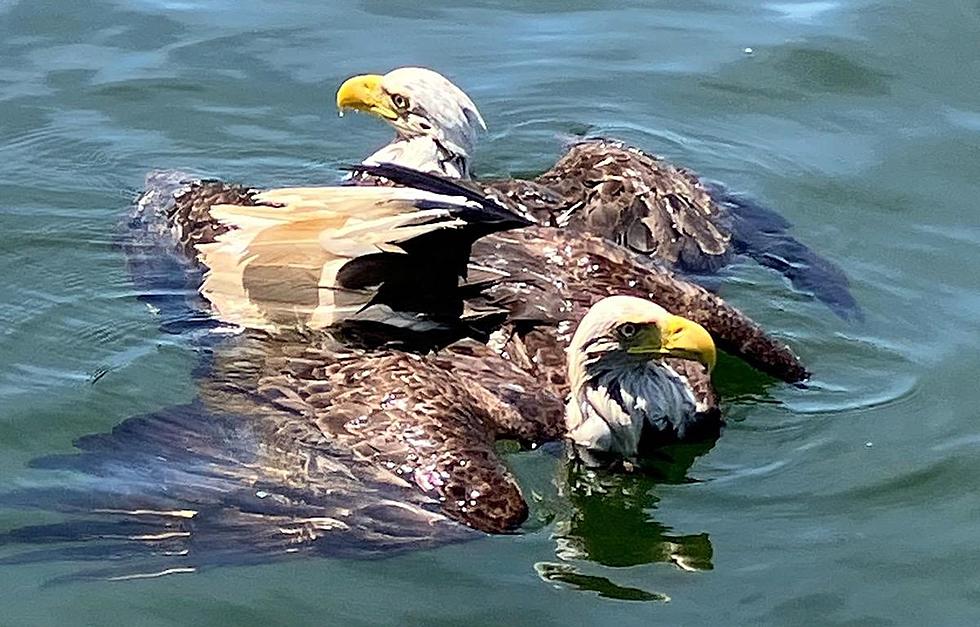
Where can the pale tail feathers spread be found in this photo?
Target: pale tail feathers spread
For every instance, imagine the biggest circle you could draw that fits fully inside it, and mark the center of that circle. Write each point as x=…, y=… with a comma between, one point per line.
x=315, y=256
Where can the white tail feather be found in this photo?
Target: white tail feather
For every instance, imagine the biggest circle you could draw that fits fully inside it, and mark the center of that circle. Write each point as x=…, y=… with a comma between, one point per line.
x=278, y=264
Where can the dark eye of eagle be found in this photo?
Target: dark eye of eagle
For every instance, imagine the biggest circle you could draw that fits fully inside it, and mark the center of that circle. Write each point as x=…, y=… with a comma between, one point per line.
x=626, y=331
x=399, y=101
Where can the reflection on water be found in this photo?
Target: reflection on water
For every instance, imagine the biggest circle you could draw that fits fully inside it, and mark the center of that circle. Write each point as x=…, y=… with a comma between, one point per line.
x=569, y=575
x=611, y=524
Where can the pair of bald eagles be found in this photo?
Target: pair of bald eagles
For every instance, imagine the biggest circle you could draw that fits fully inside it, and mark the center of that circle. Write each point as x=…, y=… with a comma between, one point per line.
x=394, y=326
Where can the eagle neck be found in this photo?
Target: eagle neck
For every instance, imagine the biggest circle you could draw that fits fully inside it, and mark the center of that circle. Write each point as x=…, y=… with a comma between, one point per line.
x=425, y=153
x=616, y=396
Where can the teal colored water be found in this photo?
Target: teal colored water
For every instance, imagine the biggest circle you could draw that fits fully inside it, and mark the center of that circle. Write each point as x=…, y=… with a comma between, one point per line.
x=850, y=502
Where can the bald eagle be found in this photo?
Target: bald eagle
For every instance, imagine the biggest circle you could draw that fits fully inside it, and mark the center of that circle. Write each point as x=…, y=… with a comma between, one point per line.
x=316, y=432
x=599, y=186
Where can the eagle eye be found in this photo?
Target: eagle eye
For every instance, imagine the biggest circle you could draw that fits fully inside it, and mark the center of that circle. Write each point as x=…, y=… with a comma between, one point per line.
x=399, y=101
x=626, y=331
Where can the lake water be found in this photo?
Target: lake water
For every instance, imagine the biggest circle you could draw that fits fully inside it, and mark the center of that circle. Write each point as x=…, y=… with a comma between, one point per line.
x=851, y=502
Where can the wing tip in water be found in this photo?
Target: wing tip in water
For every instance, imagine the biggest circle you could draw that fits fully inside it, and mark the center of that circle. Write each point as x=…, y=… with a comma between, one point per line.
x=762, y=234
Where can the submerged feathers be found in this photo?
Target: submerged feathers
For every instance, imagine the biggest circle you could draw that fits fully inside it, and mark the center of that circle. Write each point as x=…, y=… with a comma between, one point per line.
x=299, y=444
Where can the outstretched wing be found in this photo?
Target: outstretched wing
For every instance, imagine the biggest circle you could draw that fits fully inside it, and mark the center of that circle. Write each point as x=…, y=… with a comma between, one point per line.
x=296, y=445
x=667, y=213
x=429, y=421
x=555, y=275
x=186, y=488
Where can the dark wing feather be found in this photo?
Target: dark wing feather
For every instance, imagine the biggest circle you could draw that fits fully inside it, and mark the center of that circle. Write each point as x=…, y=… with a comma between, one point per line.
x=486, y=210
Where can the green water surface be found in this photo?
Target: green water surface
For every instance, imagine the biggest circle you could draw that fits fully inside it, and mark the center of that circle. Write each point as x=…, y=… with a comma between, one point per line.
x=853, y=501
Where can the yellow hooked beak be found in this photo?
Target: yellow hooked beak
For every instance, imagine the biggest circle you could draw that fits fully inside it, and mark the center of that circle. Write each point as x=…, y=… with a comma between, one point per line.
x=677, y=337
x=364, y=93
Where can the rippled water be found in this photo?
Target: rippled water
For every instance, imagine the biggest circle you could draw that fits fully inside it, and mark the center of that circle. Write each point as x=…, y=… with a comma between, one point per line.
x=851, y=502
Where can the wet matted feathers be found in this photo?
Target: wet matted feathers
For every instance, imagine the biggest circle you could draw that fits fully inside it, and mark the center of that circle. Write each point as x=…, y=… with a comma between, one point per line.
x=311, y=257
x=637, y=201
x=298, y=444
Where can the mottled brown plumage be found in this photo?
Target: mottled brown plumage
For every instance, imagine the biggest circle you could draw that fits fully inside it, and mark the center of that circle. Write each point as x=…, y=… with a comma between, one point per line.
x=428, y=423
x=190, y=216
x=544, y=280
x=300, y=443
x=561, y=264
x=620, y=193
x=544, y=276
